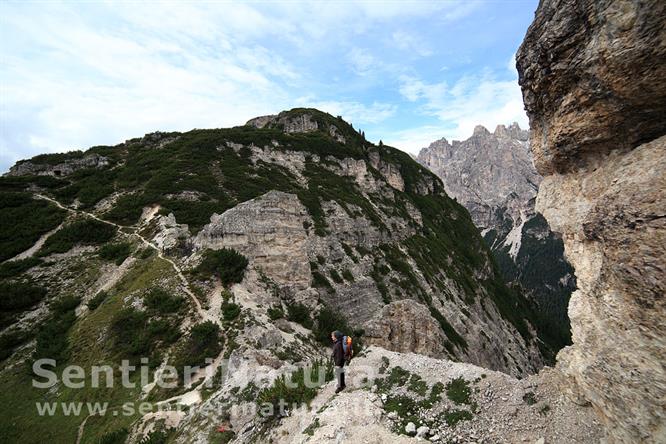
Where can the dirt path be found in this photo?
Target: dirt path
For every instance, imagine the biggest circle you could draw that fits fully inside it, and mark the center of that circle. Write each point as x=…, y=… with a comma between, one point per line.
x=35, y=248
x=212, y=314
x=186, y=285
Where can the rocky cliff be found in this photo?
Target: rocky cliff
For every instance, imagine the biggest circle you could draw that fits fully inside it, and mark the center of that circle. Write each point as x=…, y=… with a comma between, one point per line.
x=493, y=176
x=592, y=75
x=250, y=244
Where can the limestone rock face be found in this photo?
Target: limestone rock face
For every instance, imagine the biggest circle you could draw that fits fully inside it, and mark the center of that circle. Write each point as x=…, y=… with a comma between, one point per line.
x=63, y=168
x=406, y=326
x=269, y=230
x=487, y=172
x=593, y=75
x=592, y=79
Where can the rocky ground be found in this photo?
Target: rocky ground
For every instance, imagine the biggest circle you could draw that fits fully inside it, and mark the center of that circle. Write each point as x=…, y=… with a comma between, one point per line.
x=500, y=408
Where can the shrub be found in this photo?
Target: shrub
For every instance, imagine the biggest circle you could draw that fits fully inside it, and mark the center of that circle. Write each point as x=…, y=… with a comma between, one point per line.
x=275, y=313
x=134, y=336
x=14, y=268
x=320, y=281
x=529, y=398
x=458, y=391
x=97, y=300
x=116, y=437
x=10, y=340
x=117, y=252
x=294, y=391
x=52, y=340
x=19, y=295
x=162, y=301
x=230, y=311
x=84, y=232
x=204, y=341
x=300, y=314
x=347, y=275
x=336, y=277
x=23, y=220
x=227, y=264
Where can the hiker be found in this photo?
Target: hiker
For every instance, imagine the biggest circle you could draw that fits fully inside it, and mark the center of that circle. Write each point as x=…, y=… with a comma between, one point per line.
x=339, y=359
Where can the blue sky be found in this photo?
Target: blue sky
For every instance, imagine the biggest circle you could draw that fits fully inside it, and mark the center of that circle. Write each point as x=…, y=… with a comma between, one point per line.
x=80, y=74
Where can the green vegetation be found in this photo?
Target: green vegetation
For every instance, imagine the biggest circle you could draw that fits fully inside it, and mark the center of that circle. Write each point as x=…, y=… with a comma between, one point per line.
x=14, y=268
x=227, y=264
x=320, y=281
x=453, y=417
x=293, y=391
x=300, y=314
x=23, y=220
x=52, y=340
x=97, y=300
x=204, y=341
x=417, y=385
x=310, y=430
x=19, y=295
x=118, y=436
x=335, y=276
x=162, y=301
x=230, y=311
x=79, y=232
x=458, y=391
x=136, y=336
x=530, y=398
x=10, y=340
x=347, y=275
x=275, y=313
x=117, y=252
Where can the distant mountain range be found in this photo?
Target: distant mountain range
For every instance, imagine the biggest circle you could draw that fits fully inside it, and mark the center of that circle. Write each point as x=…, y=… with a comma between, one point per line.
x=493, y=176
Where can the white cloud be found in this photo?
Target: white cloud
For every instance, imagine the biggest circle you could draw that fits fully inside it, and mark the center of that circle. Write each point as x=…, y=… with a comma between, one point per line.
x=472, y=100
x=410, y=42
x=354, y=112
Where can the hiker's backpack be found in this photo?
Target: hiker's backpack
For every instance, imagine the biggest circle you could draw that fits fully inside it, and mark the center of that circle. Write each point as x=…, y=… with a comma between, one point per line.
x=347, y=348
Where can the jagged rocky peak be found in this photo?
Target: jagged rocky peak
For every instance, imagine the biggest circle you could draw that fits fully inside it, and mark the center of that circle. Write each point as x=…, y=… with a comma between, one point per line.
x=486, y=171
x=512, y=132
x=593, y=76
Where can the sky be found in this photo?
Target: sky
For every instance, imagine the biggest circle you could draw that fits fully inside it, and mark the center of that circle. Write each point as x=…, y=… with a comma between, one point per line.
x=80, y=74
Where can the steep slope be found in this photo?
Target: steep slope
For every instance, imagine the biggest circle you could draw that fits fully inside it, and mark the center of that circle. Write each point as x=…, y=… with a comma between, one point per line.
x=593, y=79
x=493, y=176
x=249, y=244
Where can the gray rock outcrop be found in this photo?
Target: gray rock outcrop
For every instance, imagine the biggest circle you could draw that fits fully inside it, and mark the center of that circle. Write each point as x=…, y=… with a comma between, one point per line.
x=63, y=168
x=593, y=79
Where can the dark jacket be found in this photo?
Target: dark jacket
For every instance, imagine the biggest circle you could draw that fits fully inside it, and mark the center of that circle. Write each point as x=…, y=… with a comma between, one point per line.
x=338, y=352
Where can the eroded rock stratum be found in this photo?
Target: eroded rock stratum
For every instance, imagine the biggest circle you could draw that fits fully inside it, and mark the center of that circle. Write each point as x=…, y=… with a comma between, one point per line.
x=593, y=79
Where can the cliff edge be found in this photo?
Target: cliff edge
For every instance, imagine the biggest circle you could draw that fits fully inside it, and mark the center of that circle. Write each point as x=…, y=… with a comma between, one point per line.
x=593, y=80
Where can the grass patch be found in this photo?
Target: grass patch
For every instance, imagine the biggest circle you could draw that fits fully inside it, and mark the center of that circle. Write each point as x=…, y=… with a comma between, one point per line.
x=453, y=417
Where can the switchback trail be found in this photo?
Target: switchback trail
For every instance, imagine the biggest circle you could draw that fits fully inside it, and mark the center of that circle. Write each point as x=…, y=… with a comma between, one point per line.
x=186, y=285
